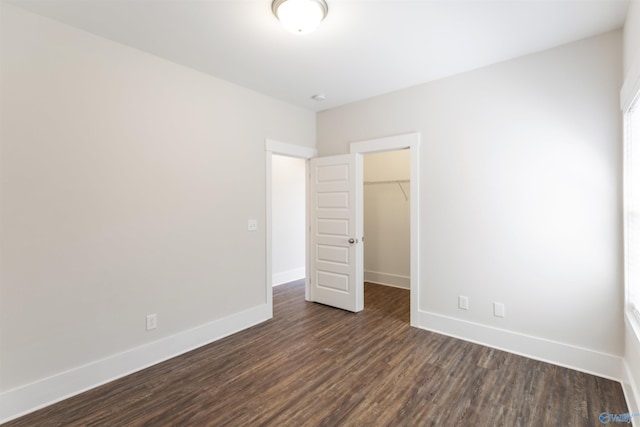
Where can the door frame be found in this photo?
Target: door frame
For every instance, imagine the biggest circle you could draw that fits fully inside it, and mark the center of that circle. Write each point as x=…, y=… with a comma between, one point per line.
x=409, y=141
x=290, y=150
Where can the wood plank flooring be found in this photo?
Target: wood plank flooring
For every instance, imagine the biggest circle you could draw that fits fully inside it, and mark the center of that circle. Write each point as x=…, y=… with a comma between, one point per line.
x=317, y=366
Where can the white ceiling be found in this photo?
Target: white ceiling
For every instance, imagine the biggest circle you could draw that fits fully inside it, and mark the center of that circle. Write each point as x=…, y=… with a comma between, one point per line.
x=362, y=49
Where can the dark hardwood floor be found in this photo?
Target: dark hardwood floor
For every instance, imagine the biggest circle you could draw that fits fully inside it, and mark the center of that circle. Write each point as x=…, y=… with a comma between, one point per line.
x=317, y=366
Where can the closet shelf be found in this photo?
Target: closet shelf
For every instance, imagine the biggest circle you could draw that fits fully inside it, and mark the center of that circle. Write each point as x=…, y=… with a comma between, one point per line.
x=396, y=181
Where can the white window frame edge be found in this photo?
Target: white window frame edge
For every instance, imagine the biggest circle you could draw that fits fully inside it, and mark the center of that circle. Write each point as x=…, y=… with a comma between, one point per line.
x=632, y=312
x=630, y=91
x=291, y=150
x=629, y=100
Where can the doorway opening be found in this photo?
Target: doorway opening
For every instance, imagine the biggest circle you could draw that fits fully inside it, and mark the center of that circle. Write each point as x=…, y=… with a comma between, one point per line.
x=284, y=153
x=332, y=253
x=288, y=218
x=386, y=215
x=410, y=142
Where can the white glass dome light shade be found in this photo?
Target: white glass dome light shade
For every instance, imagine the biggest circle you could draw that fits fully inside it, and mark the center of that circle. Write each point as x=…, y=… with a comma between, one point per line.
x=300, y=16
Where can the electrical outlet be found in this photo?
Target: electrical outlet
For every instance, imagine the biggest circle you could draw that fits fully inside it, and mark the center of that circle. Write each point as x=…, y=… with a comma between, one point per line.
x=252, y=225
x=463, y=302
x=498, y=309
x=152, y=321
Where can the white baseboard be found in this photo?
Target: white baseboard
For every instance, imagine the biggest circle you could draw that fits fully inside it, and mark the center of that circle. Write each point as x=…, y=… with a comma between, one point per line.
x=565, y=355
x=28, y=398
x=630, y=372
x=394, y=280
x=631, y=393
x=288, y=276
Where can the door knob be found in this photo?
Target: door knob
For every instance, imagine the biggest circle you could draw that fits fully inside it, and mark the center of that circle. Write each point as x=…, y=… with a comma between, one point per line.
x=351, y=241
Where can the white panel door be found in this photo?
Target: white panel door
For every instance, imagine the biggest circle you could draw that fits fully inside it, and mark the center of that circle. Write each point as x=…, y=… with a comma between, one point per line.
x=336, y=249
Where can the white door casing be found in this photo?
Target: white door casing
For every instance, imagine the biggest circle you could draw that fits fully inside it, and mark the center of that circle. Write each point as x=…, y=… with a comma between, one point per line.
x=281, y=148
x=400, y=142
x=390, y=143
x=336, y=248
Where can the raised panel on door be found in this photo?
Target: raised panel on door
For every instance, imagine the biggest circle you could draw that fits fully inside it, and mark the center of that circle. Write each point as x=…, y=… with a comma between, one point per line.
x=336, y=242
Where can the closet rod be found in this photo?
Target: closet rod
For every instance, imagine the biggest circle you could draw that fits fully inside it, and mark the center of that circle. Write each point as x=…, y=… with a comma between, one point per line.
x=395, y=181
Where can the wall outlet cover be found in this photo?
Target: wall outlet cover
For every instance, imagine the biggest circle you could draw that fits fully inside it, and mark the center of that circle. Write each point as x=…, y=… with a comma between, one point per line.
x=498, y=309
x=152, y=321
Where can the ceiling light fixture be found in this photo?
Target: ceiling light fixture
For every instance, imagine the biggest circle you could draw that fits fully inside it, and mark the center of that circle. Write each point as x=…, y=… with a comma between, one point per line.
x=300, y=16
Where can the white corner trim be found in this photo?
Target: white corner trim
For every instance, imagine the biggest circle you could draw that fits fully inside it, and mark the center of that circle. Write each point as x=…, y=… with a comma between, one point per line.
x=28, y=398
x=630, y=87
x=565, y=355
x=633, y=322
x=631, y=393
x=387, y=279
x=631, y=383
x=289, y=276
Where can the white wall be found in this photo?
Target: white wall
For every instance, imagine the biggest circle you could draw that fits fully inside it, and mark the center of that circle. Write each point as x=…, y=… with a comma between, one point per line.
x=520, y=198
x=386, y=218
x=288, y=220
x=127, y=183
x=632, y=85
x=632, y=37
